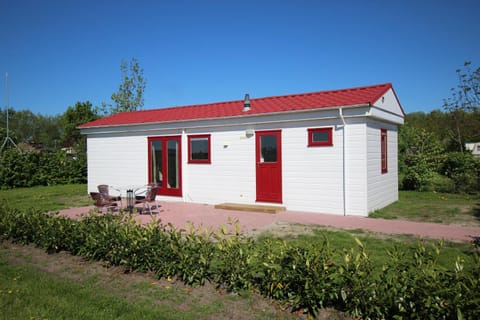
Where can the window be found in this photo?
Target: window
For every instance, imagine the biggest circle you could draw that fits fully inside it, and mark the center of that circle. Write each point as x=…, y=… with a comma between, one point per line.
x=199, y=149
x=383, y=150
x=320, y=137
x=268, y=148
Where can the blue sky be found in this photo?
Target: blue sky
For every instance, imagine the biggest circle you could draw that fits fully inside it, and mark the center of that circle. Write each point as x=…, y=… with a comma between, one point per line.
x=59, y=52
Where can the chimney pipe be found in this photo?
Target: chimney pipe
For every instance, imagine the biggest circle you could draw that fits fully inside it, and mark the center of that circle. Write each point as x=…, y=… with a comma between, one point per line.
x=246, y=103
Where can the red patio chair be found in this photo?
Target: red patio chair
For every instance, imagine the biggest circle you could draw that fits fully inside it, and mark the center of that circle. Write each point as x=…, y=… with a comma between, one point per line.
x=141, y=192
x=101, y=202
x=150, y=196
x=104, y=190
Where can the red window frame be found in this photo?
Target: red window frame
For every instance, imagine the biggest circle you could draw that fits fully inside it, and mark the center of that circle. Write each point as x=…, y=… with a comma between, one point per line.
x=383, y=150
x=312, y=143
x=165, y=189
x=200, y=161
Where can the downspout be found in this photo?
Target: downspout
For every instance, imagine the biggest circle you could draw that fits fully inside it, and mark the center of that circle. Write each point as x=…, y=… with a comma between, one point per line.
x=184, y=152
x=340, y=113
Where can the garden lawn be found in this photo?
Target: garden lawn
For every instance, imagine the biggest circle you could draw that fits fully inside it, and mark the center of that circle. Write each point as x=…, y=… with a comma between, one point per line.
x=47, y=198
x=36, y=285
x=443, y=208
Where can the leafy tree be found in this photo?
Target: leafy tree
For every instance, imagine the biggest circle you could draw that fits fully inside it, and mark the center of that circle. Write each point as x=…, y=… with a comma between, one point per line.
x=129, y=96
x=80, y=113
x=420, y=157
x=465, y=98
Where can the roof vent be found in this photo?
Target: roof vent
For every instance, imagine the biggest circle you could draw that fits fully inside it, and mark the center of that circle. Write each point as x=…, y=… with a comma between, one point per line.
x=246, y=103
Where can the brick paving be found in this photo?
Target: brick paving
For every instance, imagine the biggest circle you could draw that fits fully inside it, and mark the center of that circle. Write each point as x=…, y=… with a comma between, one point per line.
x=179, y=214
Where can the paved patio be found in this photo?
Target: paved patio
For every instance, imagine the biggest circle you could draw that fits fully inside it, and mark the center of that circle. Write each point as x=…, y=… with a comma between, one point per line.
x=180, y=214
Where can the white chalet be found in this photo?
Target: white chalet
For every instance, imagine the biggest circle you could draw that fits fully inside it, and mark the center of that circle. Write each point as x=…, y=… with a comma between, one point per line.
x=325, y=152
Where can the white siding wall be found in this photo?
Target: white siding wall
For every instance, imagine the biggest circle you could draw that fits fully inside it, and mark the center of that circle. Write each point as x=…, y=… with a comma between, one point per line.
x=389, y=103
x=356, y=173
x=312, y=176
x=116, y=160
x=382, y=188
x=231, y=175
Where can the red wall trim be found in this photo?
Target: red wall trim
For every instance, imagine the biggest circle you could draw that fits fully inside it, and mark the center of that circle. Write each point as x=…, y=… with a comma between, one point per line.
x=269, y=174
x=312, y=143
x=205, y=161
x=164, y=189
x=383, y=150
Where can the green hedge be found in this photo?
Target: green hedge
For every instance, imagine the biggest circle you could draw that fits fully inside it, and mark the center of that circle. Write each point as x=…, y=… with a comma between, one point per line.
x=410, y=285
x=40, y=168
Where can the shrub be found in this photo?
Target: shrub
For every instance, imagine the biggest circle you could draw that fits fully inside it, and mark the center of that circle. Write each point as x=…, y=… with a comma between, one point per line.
x=439, y=183
x=232, y=265
x=39, y=168
x=464, y=170
x=417, y=177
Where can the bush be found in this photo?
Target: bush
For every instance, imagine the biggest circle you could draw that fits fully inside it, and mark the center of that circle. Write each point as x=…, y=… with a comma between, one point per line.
x=39, y=168
x=458, y=173
x=464, y=170
x=439, y=183
x=417, y=177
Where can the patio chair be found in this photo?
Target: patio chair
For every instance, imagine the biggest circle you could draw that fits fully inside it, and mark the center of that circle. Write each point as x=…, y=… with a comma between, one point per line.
x=141, y=192
x=150, y=196
x=104, y=190
x=101, y=202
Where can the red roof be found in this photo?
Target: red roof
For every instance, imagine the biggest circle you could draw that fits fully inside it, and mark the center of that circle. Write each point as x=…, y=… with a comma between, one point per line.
x=294, y=102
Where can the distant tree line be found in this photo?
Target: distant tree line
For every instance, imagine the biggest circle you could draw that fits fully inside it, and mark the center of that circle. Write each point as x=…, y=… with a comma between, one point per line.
x=432, y=155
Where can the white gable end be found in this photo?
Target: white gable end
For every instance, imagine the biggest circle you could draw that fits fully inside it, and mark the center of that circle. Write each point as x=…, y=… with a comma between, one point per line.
x=388, y=108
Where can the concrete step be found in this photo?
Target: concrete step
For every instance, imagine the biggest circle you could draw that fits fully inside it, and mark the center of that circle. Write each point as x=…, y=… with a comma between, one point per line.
x=250, y=207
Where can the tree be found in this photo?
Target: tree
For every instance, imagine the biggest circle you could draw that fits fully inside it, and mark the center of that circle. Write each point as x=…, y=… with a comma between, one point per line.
x=80, y=113
x=129, y=96
x=420, y=157
x=465, y=98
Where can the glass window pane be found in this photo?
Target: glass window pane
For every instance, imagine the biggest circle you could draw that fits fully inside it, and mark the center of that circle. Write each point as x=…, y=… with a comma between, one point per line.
x=157, y=174
x=199, y=149
x=172, y=164
x=321, y=136
x=268, y=147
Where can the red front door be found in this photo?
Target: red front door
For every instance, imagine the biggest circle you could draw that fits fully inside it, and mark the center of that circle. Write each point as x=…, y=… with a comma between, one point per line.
x=164, y=165
x=268, y=146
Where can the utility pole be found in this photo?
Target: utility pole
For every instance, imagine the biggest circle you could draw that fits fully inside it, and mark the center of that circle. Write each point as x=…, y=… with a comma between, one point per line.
x=7, y=137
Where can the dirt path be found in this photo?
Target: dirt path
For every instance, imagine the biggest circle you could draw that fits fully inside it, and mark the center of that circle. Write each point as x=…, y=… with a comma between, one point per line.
x=180, y=214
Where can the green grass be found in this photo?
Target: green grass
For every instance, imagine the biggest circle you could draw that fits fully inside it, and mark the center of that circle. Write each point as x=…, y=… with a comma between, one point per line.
x=433, y=207
x=29, y=290
x=27, y=293
x=47, y=198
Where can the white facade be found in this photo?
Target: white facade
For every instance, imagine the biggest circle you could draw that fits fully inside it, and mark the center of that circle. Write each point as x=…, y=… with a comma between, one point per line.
x=474, y=147
x=343, y=179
